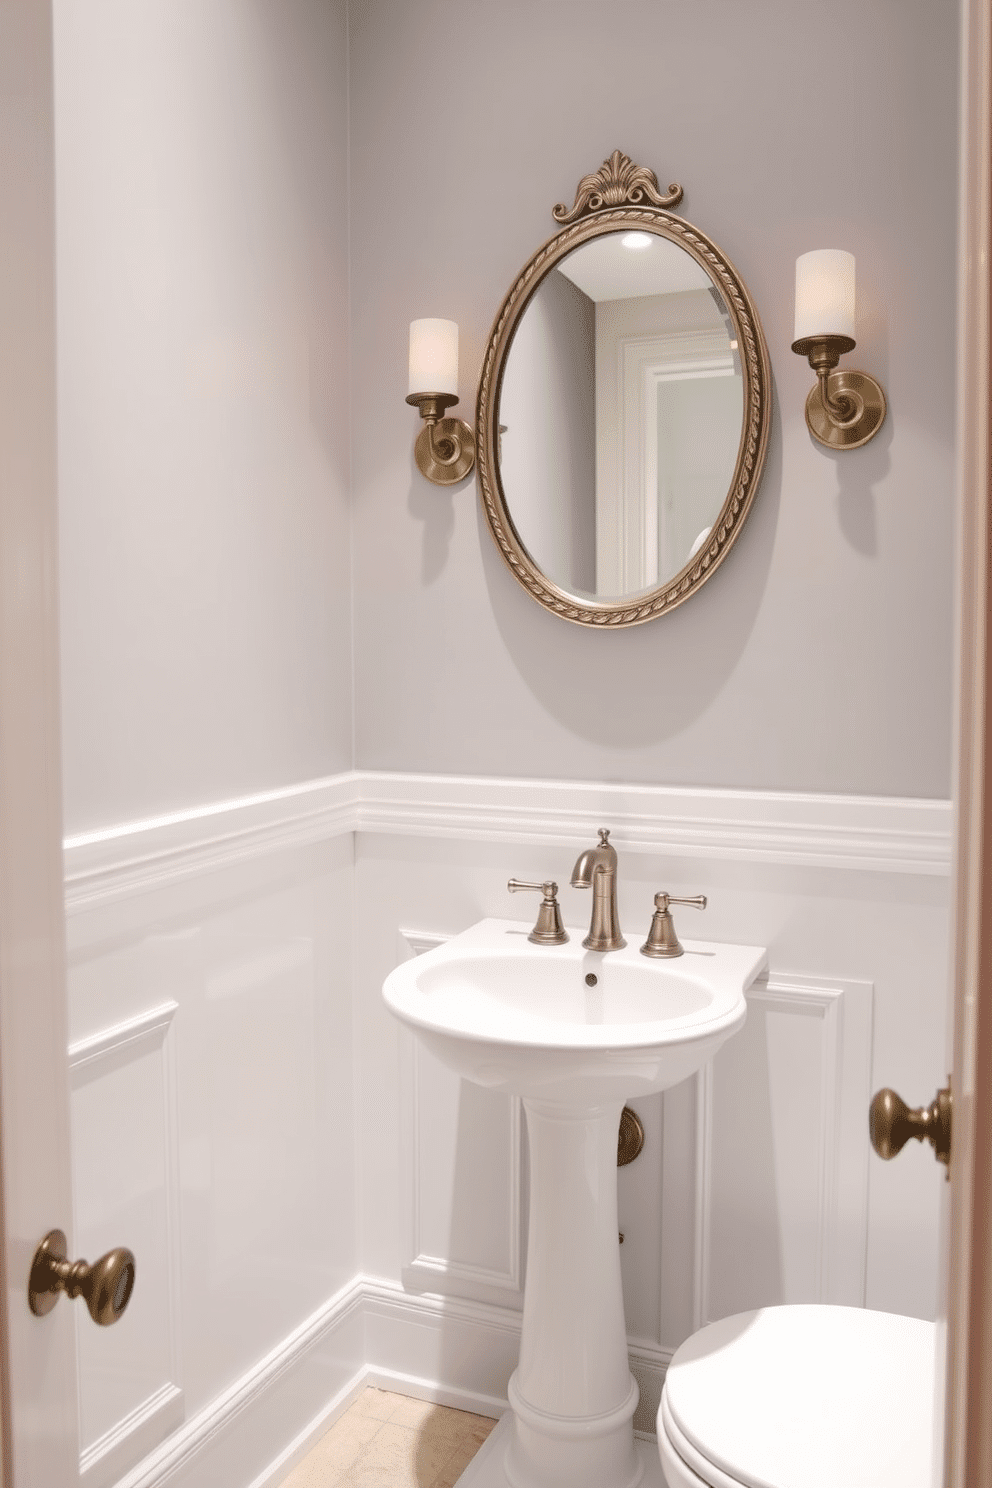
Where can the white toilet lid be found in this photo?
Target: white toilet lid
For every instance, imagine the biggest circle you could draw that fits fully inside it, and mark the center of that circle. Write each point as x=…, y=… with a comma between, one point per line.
x=806, y=1397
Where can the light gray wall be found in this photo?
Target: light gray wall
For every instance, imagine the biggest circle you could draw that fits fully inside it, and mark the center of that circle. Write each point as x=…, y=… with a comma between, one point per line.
x=203, y=400
x=818, y=658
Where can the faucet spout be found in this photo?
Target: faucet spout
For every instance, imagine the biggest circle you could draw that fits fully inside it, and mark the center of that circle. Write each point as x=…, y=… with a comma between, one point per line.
x=597, y=867
x=583, y=870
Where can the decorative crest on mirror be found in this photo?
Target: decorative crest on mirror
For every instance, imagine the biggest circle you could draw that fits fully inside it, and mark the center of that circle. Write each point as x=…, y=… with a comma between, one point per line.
x=617, y=183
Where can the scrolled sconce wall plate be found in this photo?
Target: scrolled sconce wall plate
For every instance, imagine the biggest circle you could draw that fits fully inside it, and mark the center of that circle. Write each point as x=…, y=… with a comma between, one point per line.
x=844, y=409
x=622, y=197
x=445, y=447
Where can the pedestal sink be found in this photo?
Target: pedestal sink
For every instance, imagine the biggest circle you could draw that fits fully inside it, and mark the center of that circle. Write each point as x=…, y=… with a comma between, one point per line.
x=575, y=1033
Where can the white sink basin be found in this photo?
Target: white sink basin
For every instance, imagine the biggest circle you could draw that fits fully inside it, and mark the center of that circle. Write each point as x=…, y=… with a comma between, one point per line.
x=523, y=1018
x=519, y=1017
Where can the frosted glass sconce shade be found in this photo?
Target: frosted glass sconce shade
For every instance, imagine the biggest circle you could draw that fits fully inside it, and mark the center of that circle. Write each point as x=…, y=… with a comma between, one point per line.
x=845, y=409
x=825, y=293
x=445, y=447
x=434, y=357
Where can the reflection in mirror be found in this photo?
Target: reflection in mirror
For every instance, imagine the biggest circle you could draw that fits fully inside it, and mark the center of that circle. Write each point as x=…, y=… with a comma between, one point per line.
x=620, y=414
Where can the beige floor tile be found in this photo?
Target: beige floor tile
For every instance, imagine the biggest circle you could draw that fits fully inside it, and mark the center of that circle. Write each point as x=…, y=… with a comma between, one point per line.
x=311, y=1473
x=469, y=1426
x=391, y=1447
x=455, y=1465
x=416, y=1455
x=482, y=1427
x=377, y=1477
x=444, y=1427
x=432, y=1455
x=412, y=1412
x=340, y=1448
x=385, y=1440
x=377, y=1403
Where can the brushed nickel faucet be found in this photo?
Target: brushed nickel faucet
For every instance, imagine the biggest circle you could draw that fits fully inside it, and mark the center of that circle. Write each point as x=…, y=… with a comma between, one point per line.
x=597, y=867
x=549, y=929
x=662, y=940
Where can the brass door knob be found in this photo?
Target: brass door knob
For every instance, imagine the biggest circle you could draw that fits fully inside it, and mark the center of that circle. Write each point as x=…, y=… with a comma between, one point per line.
x=105, y=1287
x=891, y=1123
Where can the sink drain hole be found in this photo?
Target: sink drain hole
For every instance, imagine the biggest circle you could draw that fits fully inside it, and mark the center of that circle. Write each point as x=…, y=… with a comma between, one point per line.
x=591, y=979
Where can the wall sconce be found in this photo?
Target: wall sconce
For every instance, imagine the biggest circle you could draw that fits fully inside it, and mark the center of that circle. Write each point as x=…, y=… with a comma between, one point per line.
x=846, y=408
x=445, y=447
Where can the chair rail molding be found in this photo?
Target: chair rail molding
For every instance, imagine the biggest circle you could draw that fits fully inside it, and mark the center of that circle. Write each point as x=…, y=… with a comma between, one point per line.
x=860, y=833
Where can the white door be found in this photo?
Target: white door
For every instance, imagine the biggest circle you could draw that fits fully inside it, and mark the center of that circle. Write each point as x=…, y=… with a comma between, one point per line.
x=39, y=1427
x=964, y=1420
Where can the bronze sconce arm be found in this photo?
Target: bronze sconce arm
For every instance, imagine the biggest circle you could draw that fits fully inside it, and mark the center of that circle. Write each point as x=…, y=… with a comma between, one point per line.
x=846, y=408
x=445, y=447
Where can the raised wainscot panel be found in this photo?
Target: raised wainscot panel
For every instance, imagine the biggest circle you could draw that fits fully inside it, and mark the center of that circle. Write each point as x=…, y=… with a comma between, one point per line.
x=125, y=1192
x=462, y=1161
x=783, y=1150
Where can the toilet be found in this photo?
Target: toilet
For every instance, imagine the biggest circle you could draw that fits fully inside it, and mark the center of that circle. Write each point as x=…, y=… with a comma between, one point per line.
x=800, y=1397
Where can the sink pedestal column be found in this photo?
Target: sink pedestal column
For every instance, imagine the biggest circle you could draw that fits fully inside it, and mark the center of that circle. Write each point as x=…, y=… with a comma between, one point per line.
x=572, y=1394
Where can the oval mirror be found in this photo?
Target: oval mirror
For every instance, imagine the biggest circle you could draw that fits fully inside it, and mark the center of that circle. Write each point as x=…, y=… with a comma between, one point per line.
x=623, y=407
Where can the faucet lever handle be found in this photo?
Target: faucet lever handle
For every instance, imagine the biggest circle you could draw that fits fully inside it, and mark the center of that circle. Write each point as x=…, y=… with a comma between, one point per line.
x=662, y=940
x=697, y=902
x=549, y=929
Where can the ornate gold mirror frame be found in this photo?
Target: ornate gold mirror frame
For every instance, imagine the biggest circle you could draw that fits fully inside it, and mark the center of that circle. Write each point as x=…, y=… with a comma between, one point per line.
x=624, y=196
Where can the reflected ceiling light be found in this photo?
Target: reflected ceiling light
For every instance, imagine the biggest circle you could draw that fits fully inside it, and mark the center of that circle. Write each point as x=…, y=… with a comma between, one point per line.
x=636, y=240
x=445, y=447
x=846, y=408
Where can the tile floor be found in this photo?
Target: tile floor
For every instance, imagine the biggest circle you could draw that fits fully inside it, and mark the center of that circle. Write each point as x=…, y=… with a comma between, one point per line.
x=392, y=1441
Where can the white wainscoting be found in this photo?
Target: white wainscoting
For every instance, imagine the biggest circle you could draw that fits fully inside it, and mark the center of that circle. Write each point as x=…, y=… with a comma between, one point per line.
x=783, y=1191
x=210, y=1010
x=766, y=1159
x=477, y=1254
x=126, y=1180
x=314, y=1201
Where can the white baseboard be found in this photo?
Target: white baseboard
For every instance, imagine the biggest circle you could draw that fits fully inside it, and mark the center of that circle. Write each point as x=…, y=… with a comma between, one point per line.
x=450, y=1351
x=282, y=1465
x=466, y=1350
x=299, y=1385
x=426, y=1389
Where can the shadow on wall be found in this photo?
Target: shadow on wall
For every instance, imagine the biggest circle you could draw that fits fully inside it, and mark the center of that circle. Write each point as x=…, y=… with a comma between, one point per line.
x=434, y=508
x=856, y=482
x=683, y=659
